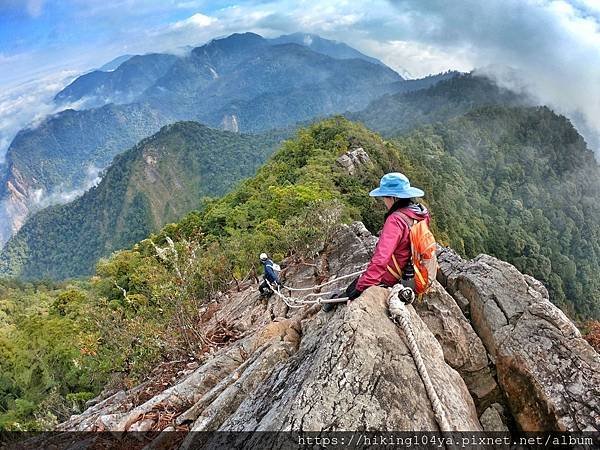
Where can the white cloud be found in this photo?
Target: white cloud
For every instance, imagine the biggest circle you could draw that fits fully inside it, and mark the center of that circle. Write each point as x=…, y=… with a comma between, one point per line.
x=554, y=44
x=28, y=103
x=553, y=47
x=61, y=195
x=179, y=36
x=416, y=60
x=35, y=7
x=198, y=20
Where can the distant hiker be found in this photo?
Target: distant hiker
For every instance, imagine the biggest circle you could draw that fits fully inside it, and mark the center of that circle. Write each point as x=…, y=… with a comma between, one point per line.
x=391, y=261
x=271, y=276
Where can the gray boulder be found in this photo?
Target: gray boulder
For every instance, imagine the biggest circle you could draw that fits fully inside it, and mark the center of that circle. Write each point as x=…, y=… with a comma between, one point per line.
x=353, y=160
x=549, y=374
x=463, y=349
x=354, y=371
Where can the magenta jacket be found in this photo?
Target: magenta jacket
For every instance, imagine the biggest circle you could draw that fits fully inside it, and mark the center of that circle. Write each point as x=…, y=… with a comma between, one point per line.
x=393, y=239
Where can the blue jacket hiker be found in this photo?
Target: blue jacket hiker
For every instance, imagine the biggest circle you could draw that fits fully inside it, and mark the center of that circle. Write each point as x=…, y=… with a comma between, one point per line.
x=271, y=275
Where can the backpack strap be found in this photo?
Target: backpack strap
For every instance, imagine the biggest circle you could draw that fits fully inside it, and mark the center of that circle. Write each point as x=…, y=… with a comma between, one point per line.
x=410, y=222
x=418, y=273
x=396, y=271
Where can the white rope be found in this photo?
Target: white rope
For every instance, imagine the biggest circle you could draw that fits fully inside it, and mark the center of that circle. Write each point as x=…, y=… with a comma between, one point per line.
x=283, y=297
x=400, y=314
x=325, y=284
x=319, y=294
x=301, y=302
x=322, y=300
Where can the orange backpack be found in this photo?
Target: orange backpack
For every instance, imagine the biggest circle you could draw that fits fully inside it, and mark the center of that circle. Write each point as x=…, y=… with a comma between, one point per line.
x=423, y=247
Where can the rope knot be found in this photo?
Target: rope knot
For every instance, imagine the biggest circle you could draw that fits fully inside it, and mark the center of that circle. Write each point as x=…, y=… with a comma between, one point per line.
x=401, y=315
x=395, y=305
x=403, y=294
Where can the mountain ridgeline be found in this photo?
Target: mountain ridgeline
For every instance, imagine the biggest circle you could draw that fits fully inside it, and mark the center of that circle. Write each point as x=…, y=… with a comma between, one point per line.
x=240, y=83
x=502, y=178
x=121, y=85
x=52, y=162
x=450, y=97
x=156, y=182
x=515, y=182
x=512, y=180
x=130, y=77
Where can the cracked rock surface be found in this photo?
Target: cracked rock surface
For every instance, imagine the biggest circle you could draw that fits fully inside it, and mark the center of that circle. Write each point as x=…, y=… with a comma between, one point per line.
x=548, y=373
x=353, y=371
x=497, y=352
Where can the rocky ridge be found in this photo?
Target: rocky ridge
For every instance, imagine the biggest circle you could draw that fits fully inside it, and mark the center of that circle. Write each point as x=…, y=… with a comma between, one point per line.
x=499, y=354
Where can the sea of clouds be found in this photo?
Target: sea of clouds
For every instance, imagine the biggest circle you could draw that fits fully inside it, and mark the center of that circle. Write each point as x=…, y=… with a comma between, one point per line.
x=26, y=104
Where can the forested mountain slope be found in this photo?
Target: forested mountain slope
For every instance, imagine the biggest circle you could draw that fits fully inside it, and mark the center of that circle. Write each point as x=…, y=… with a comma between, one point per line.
x=60, y=158
x=121, y=85
x=239, y=83
x=157, y=181
x=147, y=304
x=454, y=95
x=519, y=184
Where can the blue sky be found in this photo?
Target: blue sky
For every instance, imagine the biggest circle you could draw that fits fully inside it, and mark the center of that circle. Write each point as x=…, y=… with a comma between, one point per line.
x=552, y=46
x=38, y=36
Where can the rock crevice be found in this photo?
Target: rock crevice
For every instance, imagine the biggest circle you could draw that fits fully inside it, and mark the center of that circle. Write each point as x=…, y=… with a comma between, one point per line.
x=497, y=352
x=548, y=373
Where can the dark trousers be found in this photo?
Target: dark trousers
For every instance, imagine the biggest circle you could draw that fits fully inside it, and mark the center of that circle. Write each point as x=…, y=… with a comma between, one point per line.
x=264, y=287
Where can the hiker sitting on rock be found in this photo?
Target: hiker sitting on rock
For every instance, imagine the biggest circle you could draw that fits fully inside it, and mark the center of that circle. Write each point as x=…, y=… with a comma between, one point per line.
x=270, y=276
x=391, y=261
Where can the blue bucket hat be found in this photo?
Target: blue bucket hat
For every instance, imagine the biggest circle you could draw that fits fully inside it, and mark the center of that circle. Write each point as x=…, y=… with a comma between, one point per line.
x=396, y=185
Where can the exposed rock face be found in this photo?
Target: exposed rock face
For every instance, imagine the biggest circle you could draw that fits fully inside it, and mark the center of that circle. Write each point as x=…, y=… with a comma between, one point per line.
x=352, y=160
x=463, y=349
x=14, y=207
x=354, y=372
x=493, y=418
x=230, y=123
x=350, y=369
x=548, y=372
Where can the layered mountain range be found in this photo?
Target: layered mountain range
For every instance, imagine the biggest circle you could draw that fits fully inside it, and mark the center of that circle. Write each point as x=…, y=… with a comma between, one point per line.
x=504, y=175
x=157, y=181
x=27, y=253
x=240, y=83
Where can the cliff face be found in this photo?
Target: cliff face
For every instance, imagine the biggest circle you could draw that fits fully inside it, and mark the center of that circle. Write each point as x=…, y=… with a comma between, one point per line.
x=498, y=353
x=549, y=375
x=14, y=206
